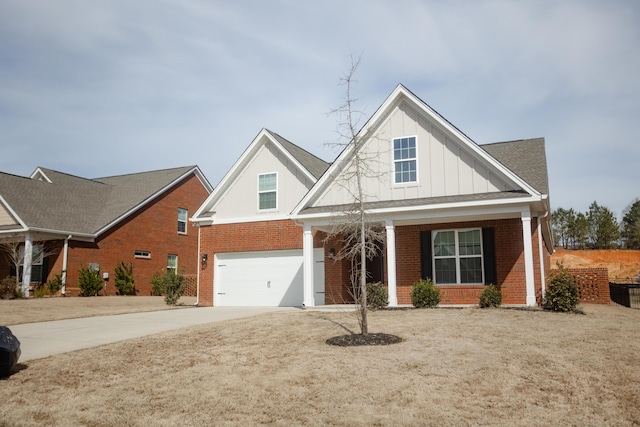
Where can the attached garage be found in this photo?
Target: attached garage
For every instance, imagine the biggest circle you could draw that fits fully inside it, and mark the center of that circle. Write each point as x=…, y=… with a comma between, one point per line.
x=268, y=279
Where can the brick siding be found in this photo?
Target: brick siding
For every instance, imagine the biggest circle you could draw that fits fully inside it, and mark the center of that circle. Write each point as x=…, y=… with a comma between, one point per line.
x=153, y=228
x=593, y=285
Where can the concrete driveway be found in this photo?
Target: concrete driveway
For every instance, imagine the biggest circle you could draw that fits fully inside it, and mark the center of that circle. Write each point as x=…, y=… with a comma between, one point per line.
x=38, y=340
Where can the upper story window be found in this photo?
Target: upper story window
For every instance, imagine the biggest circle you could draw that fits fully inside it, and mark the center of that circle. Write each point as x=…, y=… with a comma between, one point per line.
x=457, y=256
x=267, y=191
x=405, y=160
x=182, y=221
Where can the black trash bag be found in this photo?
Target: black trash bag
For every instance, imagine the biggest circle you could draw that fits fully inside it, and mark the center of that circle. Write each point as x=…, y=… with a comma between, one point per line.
x=9, y=351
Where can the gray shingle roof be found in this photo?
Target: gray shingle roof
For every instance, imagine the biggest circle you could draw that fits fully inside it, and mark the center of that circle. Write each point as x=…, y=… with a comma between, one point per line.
x=313, y=164
x=79, y=205
x=526, y=158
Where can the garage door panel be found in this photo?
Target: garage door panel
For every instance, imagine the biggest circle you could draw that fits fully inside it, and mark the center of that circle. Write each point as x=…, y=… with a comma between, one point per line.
x=272, y=278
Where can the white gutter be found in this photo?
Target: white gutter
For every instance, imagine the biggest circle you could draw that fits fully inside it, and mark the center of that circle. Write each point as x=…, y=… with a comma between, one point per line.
x=64, y=265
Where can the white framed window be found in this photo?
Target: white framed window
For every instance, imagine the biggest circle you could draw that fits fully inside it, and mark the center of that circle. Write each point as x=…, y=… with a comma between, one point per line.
x=182, y=221
x=405, y=161
x=36, y=263
x=457, y=257
x=142, y=254
x=172, y=263
x=268, y=191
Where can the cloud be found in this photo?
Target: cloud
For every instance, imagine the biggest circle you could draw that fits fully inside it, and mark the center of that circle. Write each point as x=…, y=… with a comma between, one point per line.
x=106, y=87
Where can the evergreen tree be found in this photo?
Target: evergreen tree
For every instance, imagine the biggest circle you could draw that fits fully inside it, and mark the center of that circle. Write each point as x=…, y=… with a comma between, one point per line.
x=631, y=225
x=603, y=227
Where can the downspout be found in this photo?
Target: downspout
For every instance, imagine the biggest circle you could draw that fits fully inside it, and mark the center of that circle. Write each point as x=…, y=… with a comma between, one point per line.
x=198, y=269
x=64, y=265
x=541, y=254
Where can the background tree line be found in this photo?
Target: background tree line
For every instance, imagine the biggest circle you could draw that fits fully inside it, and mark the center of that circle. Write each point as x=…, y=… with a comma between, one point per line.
x=598, y=228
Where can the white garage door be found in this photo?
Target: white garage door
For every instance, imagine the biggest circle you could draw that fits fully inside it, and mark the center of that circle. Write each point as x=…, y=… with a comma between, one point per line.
x=268, y=279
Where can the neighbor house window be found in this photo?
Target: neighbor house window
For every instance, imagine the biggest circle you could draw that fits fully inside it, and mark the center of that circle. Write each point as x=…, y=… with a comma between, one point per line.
x=267, y=191
x=36, y=263
x=457, y=256
x=404, y=160
x=172, y=263
x=182, y=221
x=142, y=254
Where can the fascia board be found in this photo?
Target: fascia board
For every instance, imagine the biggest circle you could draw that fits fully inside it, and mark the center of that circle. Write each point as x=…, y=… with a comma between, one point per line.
x=493, y=206
x=203, y=179
x=209, y=221
x=322, y=185
x=145, y=201
x=230, y=177
x=288, y=155
x=470, y=144
x=13, y=213
x=40, y=172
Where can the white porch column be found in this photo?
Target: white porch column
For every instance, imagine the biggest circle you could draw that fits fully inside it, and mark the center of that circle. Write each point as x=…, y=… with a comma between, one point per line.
x=307, y=254
x=65, y=252
x=391, y=263
x=26, y=264
x=528, y=258
x=541, y=255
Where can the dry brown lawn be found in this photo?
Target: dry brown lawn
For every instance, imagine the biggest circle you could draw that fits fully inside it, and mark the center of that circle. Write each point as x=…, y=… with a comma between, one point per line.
x=455, y=367
x=14, y=312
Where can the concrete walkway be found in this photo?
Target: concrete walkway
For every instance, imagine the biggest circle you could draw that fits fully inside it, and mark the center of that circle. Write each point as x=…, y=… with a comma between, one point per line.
x=38, y=340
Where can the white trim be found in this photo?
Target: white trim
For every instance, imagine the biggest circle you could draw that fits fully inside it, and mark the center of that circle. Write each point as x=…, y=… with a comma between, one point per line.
x=40, y=172
x=541, y=258
x=142, y=254
x=456, y=256
x=399, y=94
x=391, y=264
x=393, y=163
x=186, y=221
x=13, y=213
x=528, y=258
x=274, y=209
x=148, y=200
x=26, y=264
x=307, y=269
x=240, y=165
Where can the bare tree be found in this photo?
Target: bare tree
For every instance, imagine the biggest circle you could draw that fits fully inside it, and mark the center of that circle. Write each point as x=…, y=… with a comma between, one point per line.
x=14, y=253
x=359, y=233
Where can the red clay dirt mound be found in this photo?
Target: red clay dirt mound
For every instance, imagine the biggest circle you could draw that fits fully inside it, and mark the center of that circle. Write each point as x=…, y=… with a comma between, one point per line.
x=623, y=265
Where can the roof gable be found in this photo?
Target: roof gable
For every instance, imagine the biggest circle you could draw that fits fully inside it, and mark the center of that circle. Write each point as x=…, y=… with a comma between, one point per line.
x=448, y=162
x=236, y=196
x=59, y=202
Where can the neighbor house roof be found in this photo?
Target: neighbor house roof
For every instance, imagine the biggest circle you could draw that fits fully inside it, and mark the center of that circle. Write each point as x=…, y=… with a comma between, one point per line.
x=54, y=201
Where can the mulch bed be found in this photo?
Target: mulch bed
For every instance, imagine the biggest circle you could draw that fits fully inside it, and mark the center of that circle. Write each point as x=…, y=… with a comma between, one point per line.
x=359, y=340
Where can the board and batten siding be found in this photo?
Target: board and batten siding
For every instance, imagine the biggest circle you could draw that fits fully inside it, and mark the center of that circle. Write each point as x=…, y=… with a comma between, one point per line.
x=445, y=166
x=241, y=199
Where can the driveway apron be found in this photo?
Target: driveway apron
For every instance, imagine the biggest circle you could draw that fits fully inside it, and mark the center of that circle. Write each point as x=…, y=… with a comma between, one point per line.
x=43, y=339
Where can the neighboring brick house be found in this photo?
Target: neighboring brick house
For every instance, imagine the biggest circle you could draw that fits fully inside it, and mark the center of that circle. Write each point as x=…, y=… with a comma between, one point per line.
x=463, y=214
x=140, y=218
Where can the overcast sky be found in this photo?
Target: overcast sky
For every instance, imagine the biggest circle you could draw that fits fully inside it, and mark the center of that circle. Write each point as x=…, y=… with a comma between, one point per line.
x=99, y=88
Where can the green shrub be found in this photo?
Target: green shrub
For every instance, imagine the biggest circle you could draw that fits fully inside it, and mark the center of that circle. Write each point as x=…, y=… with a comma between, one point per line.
x=424, y=294
x=171, y=284
x=8, y=287
x=39, y=291
x=89, y=281
x=562, y=292
x=377, y=297
x=55, y=284
x=490, y=297
x=125, y=284
x=157, y=283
